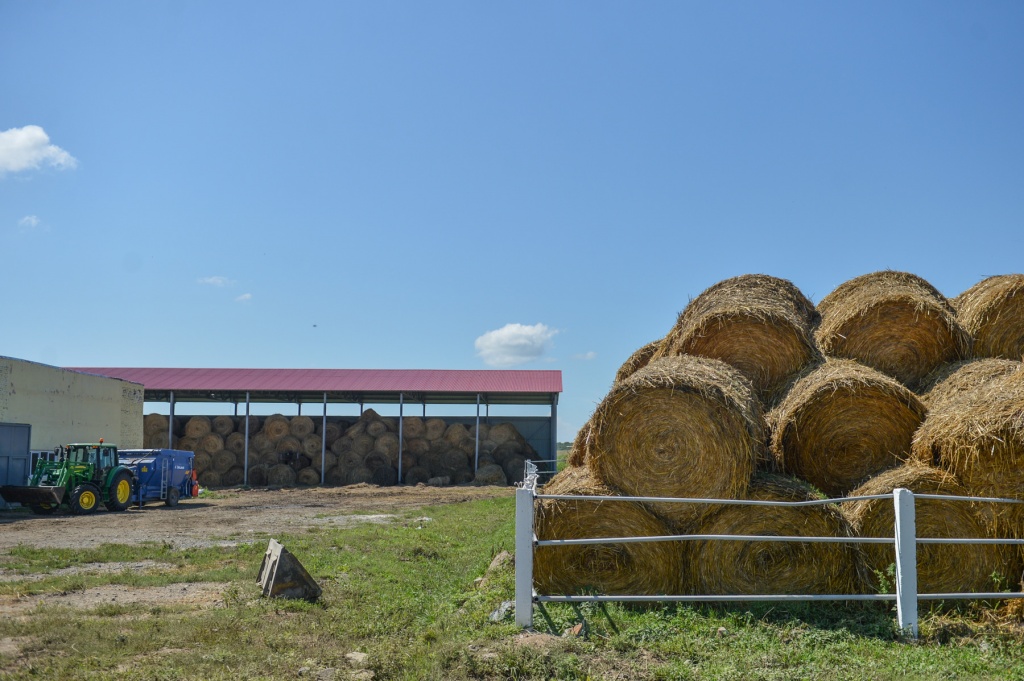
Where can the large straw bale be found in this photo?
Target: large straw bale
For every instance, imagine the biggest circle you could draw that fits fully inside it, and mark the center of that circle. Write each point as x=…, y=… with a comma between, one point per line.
x=330, y=460
x=254, y=424
x=359, y=474
x=418, y=446
x=843, y=423
x=895, y=322
x=341, y=445
x=647, y=568
x=235, y=442
x=211, y=442
x=502, y=433
x=680, y=427
x=950, y=380
x=413, y=426
x=979, y=437
x=209, y=478
x=308, y=477
x=581, y=445
x=455, y=433
x=417, y=475
x=385, y=476
x=336, y=475
x=301, y=426
x=331, y=432
x=480, y=431
x=435, y=428
x=638, y=360
x=223, y=425
x=258, y=475
x=941, y=568
x=261, y=442
x=197, y=426
x=223, y=460
x=281, y=475
x=992, y=311
x=289, y=444
x=152, y=423
x=376, y=428
x=233, y=476
x=363, y=444
x=771, y=567
x=276, y=427
x=312, y=445
x=188, y=444
x=387, y=444
x=759, y=324
x=203, y=462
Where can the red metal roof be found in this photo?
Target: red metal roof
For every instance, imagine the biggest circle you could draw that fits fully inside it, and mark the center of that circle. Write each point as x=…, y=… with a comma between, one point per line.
x=337, y=380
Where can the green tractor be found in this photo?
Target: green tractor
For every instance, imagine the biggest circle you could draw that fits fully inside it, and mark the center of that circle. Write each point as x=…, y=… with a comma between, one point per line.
x=81, y=476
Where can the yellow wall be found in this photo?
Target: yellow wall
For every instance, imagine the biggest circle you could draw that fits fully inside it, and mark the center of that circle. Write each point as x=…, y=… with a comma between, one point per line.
x=66, y=406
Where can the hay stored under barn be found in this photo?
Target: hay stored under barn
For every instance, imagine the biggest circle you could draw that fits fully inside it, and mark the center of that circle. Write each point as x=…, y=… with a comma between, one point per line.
x=843, y=423
x=992, y=311
x=761, y=325
x=894, y=322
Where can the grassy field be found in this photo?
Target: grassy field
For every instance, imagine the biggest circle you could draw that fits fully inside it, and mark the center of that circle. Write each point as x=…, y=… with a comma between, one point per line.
x=404, y=594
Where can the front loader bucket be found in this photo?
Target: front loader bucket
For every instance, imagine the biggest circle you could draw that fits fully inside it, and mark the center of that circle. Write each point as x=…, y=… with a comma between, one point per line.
x=22, y=494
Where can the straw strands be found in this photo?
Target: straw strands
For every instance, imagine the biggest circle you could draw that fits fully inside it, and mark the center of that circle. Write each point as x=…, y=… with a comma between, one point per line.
x=843, y=423
x=951, y=380
x=775, y=567
x=941, y=568
x=895, y=322
x=759, y=324
x=637, y=568
x=993, y=312
x=680, y=427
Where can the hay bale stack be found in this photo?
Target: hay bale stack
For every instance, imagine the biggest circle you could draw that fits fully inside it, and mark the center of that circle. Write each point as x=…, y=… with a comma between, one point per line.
x=312, y=446
x=435, y=428
x=197, y=426
x=638, y=360
x=479, y=431
x=894, y=322
x=280, y=475
x=336, y=476
x=289, y=444
x=253, y=422
x=490, y=474
x=203, y=462
x=979, y=437
x=331, y=432
x=222, y=461
x=223, y=425
x=759, y=324
x=680, y=427
x=992, y=311
x=152, y=423
x=211, y=443
x=843, y=423
x=301, y=426
x=261, y=443
x=258, y=475
x=235, y=442
x=360, y=474
x=308, y=477
x=941, y=568
x=413, y=426
x=376, y=428
x=768, y=567
x=209, y=478
x=233, y=476
x=417, y=475
x=276, y=427
x=640, y=568
x=341, y=445
x=502, y=432
x=950, y=380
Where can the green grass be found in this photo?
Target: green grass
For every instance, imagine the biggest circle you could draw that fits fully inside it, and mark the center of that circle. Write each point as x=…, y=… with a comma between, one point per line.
x=404, y=594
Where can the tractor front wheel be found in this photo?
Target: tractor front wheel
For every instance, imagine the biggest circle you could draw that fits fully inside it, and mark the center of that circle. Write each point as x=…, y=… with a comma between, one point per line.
x=119, y=492
x=84, y=499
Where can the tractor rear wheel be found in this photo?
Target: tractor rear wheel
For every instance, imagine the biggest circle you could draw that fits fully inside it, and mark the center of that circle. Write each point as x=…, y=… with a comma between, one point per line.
x=43, y=509
x=84, y=499
x=119, y=492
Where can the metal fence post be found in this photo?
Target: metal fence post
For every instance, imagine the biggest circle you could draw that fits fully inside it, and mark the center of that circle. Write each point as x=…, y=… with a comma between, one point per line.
x=524, y=553
x=906, y=560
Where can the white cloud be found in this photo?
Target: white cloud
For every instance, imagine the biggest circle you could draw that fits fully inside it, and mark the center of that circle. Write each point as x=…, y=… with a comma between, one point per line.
x=514, y=344
x=28, y=223
x=244, y=298
x=216, y=281
x=586, y=356
x=29, y=148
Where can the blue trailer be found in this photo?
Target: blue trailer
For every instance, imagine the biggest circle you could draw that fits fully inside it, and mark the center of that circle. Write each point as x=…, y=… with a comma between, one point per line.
x=165, y=475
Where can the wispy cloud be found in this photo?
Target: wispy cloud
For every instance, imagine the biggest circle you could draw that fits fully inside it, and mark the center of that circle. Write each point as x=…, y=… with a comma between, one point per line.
x=586, y=356
x=514, y=344
x=29, y=148
x=216, y=281
x=29, y=223
x=244, y=298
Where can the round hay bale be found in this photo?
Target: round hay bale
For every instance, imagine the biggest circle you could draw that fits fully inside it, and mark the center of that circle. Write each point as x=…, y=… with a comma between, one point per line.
x=301, y=426
x=408, y=461
x=580, y=445
x=487, y=460
x=488, y=446
x=312, y=445
x=507, y=450
x=467, y=446
x=375, y=460
x=254, y=424
x=152, y=423
x=680, y=427
x=308, y=477
x=638, y=360
x=300, y=461
x=209, y=478
x=455, y=433
x=240, y=458
x=418, y=446
x=767, y=567
x=351, y=459
x=413, y=426
x=276, y=427
x=357, y=428
x=189, y=444
x=894, y=322
x=843, y=423
x=223, y=425
x=158, y=440
x=233, y=477
x=640, y=568
x=336, y=475
x=491, y=474
x=376, y=428
x=197, y=426
x=258, y=475
x=331, y=433
x=502, y=433
x=759, y=324
x=235, y=442
x=417, y=475
x=202, y=462
x=479, y=431
x=978, y=436
x=992, y=311
x=288, y=444
x=390, y=423
x=385, y=476
x=515, y=469
x=261, y=442
x=329, y=461
x=223, y=460
x=359, y=474
x=453, y=459
x=211, y=442
x=387, y=444
x=341, y=445
x=363, y=444
x=271, y=458
x=950, y=380
x=281, y=475
x=435, y=428
x=941, y=568
x=463, y=476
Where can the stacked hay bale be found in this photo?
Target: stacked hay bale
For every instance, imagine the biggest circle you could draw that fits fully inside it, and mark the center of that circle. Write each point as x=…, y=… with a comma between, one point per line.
x=838, y=386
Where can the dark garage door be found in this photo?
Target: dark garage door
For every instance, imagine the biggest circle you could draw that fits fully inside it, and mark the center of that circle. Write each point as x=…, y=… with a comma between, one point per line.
x=14, y=453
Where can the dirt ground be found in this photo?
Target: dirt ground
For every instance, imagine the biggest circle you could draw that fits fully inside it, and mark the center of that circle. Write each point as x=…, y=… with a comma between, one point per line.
x=227, y=517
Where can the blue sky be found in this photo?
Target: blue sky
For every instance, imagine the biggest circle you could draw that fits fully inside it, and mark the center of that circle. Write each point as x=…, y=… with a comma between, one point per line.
x=463, y=185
